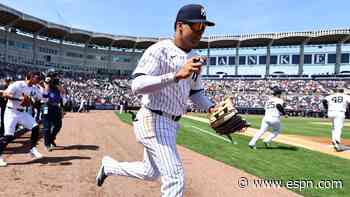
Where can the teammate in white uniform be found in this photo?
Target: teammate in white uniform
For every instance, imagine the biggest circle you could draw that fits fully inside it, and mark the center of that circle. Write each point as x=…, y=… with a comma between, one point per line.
x=121, y=106
x=37, y=96
x=15, y=113
x=167, y=75
x=273, y=110
x=336, y=104
x=83, y=103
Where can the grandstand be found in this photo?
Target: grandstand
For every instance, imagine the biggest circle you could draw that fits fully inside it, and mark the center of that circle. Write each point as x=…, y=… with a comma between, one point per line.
x=31, y=41
x=308, y=65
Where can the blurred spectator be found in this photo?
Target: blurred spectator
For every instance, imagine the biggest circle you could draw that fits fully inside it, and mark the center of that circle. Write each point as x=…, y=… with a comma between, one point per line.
x=302, y=96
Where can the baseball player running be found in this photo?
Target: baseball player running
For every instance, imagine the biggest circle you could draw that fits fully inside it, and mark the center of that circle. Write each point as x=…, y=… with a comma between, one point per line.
x=167, y=75
x=336, y=104
x=273, y=110
x=15, y=113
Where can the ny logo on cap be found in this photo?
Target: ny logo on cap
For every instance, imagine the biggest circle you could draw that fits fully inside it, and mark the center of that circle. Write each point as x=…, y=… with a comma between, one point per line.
x=203, y=13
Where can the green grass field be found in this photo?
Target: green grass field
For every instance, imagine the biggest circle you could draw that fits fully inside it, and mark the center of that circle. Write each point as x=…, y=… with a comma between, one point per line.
x=299, y=126
x=281, y=161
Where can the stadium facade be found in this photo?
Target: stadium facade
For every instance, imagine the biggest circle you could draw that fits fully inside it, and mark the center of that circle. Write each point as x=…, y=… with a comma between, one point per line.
x=16, y=48
x=27, y=40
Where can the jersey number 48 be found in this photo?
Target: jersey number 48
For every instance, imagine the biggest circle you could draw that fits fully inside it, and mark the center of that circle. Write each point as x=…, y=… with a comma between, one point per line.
x=337, y=99
x=270, y=105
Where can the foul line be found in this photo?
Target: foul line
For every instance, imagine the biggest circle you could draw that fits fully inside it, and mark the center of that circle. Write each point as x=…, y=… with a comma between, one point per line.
x=285, y=139
x=212, y=134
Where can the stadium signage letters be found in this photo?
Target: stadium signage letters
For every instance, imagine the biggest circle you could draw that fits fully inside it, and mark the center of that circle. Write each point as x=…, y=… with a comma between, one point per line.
x=284, y=59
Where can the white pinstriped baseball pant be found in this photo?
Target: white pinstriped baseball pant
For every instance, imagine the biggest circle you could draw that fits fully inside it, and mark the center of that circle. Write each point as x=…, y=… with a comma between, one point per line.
x=337, y=119
x=274, y=123
x=161, y=159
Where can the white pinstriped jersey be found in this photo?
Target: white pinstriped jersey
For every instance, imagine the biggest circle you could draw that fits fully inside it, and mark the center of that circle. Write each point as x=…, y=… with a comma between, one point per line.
x=162, y=58
x=37, y=93
x=271, y=107
x=17, y=89
x=338, y=102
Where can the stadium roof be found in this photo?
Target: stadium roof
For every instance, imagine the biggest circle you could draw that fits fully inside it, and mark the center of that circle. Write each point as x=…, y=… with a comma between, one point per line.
x=10, y=17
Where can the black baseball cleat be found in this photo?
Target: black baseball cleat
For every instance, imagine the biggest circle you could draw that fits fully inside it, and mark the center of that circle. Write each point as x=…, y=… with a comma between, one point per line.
x=101, y=176
x=341, y=148
x=53, y=143
x=252, y=146
x=267, y=144
x=49, y=148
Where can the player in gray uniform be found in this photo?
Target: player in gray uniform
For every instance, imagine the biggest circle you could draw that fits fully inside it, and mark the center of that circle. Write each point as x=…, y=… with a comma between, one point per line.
x=167, y=75
x=336, y=105
x=273, y=111
x=15, y=113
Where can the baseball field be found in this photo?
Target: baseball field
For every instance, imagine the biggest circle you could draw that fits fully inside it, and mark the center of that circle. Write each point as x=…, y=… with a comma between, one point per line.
x=213, y=165
x=306, y=172
x=313, y=127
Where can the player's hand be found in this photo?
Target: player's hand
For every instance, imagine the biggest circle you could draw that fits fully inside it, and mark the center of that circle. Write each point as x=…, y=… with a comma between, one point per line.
x=46, y=86
x=23, y=97
x=193, y=65
x=213, y=109
x=25, y=101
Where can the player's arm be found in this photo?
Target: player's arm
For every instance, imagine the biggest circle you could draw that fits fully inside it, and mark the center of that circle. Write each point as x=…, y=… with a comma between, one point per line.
x=146, y=78
x=198, y=97
x=280, y=108
x=347, y=102
x=325, y=104
x=143, y=83
x=10, y=92
x=201, y=100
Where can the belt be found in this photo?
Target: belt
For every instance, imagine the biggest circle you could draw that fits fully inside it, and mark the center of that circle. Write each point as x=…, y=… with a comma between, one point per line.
x=20, y=110
x=161, y=113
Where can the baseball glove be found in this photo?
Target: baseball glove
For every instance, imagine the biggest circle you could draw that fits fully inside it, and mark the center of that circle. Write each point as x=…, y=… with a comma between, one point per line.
x=26, y=101
x=225, y=120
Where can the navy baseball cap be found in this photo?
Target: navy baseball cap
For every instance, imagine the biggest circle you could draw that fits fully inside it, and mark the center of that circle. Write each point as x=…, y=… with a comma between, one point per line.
x=276, y=91
x=193, y=13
